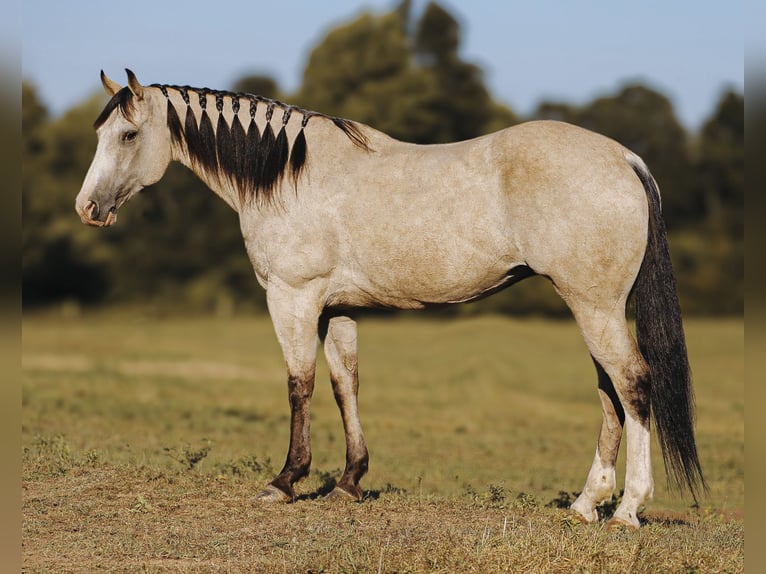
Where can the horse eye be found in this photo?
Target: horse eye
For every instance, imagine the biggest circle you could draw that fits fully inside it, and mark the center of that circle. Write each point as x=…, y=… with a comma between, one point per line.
x=129, y=136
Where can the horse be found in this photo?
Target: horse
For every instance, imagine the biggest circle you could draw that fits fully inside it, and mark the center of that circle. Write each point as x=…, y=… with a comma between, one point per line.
x=337, y=216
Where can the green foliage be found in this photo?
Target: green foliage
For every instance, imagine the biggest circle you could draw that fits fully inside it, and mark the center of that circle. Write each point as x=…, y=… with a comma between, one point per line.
x=49, y=456
x=247, y=465
x=720, y=183
x=362, y=70
x=462, y=102
x=413, y=88
x=178, y=247
x=498, y=497
x=60, y=259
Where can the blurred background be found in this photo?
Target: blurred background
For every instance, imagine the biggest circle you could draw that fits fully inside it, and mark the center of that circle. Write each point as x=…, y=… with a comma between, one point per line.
x=664, y=82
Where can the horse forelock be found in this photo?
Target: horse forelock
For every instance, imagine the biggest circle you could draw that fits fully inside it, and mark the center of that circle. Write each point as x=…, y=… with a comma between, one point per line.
x=122, y=100
x=253, y=158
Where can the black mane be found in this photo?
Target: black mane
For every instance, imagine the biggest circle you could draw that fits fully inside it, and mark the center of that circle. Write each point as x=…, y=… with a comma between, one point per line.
x=253, y=160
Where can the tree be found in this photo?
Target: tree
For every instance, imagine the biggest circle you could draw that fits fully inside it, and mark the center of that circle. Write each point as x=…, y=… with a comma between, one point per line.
x=259, y=85
x=557, y=111
x=721, y=166
x=413, y=88
x=438, y=37
x=710, y=255
x=59, y=261
x=364, y=71
x=34, y=115
x=352, y=58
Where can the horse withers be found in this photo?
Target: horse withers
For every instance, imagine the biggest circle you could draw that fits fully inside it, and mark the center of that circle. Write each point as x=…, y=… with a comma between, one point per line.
x=338, y=216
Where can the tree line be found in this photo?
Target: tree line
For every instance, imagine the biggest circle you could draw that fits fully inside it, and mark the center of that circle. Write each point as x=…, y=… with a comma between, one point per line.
x=177, y=247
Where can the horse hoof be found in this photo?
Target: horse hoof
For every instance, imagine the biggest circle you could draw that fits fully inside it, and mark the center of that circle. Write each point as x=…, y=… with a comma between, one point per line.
x=617, y=523
x=272, y=494
x=576, y=516
x=340, y=495
x=586, y=518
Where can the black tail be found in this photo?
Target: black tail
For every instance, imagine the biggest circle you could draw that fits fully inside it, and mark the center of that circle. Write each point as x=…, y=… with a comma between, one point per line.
x=661, y=340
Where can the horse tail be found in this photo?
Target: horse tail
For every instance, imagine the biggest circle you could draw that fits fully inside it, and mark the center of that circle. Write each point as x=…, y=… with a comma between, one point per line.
x=661, y=340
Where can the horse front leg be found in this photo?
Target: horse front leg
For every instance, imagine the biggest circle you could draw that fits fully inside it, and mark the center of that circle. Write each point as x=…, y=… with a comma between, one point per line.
x=295, y=315
x=339, y=335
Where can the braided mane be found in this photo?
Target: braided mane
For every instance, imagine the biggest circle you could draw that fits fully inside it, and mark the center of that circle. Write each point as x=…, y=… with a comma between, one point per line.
x=253, y=159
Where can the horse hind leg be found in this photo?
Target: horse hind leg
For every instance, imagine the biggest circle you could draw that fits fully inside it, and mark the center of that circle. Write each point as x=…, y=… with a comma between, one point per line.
x=340, y=347
x=601, y=481
x=626, y=400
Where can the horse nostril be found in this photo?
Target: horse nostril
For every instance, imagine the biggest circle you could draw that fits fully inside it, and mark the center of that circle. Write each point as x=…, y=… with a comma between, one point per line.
x=91, y=210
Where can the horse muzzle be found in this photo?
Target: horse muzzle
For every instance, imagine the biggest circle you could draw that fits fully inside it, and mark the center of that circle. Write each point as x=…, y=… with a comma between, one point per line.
x=91, y=214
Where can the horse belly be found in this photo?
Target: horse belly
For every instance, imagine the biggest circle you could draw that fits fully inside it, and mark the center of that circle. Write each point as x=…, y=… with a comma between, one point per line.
x=426, y=264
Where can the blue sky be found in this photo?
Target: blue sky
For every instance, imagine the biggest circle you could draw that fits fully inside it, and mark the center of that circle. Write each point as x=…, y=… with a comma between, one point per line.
x=564, y=50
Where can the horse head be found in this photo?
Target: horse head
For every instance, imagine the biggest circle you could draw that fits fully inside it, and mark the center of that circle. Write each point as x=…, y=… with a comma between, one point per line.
x=134, y=150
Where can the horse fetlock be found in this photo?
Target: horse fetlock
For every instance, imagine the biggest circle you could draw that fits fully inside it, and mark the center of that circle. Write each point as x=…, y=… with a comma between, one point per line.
x=638, y=494
x=598, y=488
x=357, y=467
x=602, y=488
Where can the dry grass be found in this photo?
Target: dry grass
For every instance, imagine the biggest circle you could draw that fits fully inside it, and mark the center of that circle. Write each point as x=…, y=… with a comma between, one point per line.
x=145, y=441
x=120, y=519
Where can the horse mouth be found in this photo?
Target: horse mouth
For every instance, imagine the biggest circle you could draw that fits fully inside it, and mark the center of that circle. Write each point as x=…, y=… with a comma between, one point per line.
x=89, y=215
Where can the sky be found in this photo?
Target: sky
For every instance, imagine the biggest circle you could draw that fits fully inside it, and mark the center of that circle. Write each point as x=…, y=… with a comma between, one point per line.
x=530, y=51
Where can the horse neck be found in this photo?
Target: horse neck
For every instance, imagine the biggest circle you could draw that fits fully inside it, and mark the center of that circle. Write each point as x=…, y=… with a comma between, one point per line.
x=248, y=149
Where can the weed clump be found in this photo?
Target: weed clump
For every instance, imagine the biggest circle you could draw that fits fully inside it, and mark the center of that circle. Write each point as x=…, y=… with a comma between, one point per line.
x=246, y=465
x=188, y=456
x=49, y=456
x=497, y=497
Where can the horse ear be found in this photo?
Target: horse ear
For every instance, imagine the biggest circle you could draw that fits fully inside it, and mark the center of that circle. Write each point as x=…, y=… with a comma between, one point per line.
x=110, y=86
x=135, y=86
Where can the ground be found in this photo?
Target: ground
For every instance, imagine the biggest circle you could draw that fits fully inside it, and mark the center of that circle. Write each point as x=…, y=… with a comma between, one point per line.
x=146, y=439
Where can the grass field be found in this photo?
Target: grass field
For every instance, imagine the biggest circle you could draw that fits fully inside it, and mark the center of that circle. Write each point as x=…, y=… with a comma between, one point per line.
x=145, y=441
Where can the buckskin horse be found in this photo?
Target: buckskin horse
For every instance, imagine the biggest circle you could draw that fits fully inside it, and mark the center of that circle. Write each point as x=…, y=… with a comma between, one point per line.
x=338, y=216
